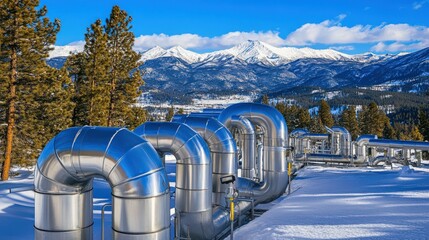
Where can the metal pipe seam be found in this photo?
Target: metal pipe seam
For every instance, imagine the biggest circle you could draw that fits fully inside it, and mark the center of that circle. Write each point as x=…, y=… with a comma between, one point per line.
x=345, y=140
x=247, y=143
x=193, y=176
x=63, y=181
x=399, y=144
x=223, y=150
x=274, y=128
x=361, y=144
x=315, y=157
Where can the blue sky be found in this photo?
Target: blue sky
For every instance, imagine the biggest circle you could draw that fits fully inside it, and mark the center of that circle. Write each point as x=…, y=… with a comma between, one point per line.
x=350, y=26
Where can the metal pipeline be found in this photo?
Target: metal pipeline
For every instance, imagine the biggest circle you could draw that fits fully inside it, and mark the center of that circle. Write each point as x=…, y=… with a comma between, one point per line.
x=304, y=140
x=398, y=144
x=247, y=143
x=275, y=139
x=316, y=157
x=193, y=178
x=345, y=140
x=293, y=138
x=222, y=148
x=361, y=147
x=63, y=185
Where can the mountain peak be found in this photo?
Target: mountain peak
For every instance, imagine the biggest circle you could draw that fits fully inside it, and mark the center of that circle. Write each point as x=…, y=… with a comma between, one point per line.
x=257, y=52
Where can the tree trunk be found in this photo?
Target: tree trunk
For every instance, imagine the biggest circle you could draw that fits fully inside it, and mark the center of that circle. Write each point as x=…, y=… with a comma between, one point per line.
x=10, y=116
x=111, y=103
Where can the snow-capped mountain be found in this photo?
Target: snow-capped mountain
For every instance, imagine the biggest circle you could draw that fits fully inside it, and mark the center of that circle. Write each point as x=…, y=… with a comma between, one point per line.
x=64, y=51
x=255, y=66
x=178, y=52
x=254, y=52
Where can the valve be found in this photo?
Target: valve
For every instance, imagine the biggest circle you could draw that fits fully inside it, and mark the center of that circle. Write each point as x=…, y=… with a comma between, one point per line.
x=231, y=195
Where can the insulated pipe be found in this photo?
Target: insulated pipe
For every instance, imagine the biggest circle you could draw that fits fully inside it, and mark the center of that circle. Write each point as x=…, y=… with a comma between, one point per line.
x=304, y=138
x=335, y=141
x=193, y=177
x=398, y=144
x=361, y=145
x=293, y=138
x=345, y=140
x=275, y=139
x=315, y=157
x=247, y=144
x=63, y=185
x=222, y=148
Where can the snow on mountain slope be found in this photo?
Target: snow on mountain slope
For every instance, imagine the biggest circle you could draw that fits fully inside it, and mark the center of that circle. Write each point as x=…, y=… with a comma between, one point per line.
x=63, y=51
x=179, y=52
x=254, y=52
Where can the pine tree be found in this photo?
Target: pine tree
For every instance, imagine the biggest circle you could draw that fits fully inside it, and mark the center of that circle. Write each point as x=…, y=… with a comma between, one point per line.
x=75, y=65
x=304, y=118
x=348, y=120
x=26, y=39
x=316, y=125
x=423, y=124
x=94, y=90
x=415, y=134
x=170, y=114
x=265, y=100
x=125, y=79
x=388, y=131
x=325, y=114
x=372, y=120
x=137, y=117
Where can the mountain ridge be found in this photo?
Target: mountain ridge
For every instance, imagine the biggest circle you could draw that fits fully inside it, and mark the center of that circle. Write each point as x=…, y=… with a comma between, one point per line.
x=254, y=68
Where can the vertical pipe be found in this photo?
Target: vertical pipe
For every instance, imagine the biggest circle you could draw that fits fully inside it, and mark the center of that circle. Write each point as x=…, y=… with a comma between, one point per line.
x=222, y=149
x=275, y=140
x=193, y=177
x=63, y=185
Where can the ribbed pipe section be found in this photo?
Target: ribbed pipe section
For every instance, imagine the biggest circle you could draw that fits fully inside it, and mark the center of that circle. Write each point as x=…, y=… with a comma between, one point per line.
x=193, y=177
x=275, y=140
x=361, y=146
x=247, y=143
x=63, y=185
x=222, y=149
x=345, y=140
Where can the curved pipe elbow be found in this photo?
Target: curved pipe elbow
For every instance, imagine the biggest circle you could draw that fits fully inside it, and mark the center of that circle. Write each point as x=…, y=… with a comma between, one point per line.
x=271, y=120
x=217, y=136
x=76, y=155
x=63, y=183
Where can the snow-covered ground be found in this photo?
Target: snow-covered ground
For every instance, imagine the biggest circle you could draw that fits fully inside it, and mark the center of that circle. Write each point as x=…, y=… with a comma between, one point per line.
x=325, y=203
x=355, y=203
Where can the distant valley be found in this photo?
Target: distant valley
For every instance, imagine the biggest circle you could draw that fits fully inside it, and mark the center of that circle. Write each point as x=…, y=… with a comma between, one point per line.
x=177, y=75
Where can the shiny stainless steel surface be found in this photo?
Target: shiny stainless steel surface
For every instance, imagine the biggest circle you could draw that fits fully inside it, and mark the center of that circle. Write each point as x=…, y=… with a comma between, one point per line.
x=222, y=148
x=398, y=144
x=63, y=183
x=193, y=177
x=361, y=147
x=345, y=141
x=294, y=142
x=247, y=144
x=316, y=157
x=275, y=141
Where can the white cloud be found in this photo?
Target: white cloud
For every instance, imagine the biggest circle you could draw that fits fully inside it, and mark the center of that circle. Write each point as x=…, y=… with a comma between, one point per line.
x=404, y=36
x=418, y=5
x=343, y=48
x=399, y=47
x=194, y=41
x=386, y=37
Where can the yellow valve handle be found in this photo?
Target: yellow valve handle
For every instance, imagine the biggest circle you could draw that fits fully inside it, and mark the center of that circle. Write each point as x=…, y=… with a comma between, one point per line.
x=289, y=168
x=231, y=208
